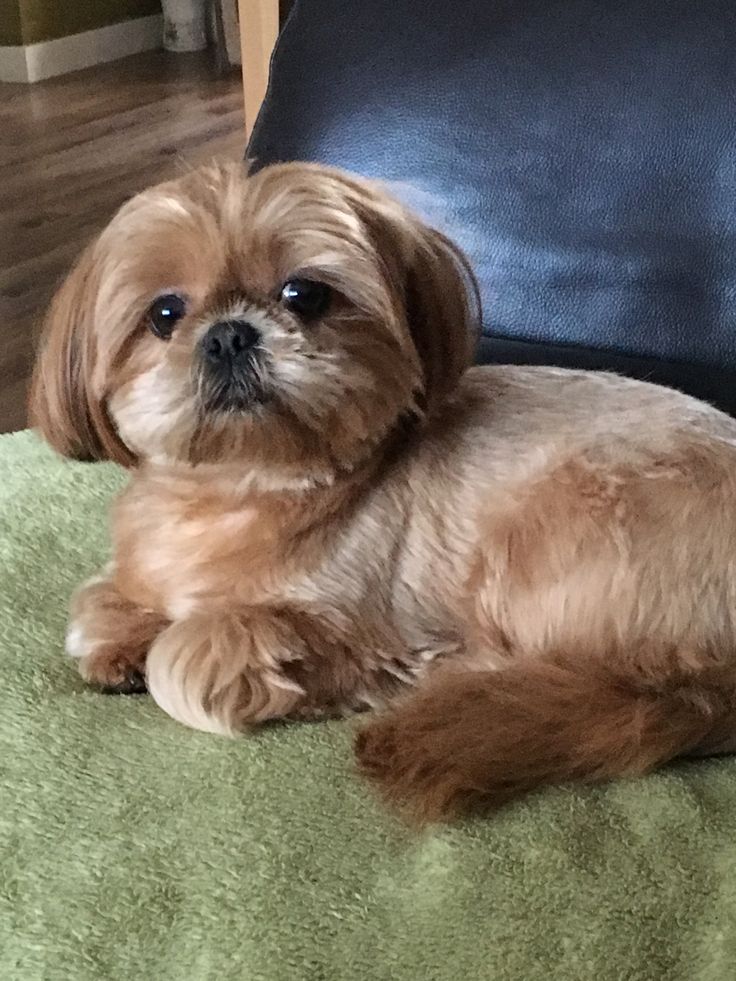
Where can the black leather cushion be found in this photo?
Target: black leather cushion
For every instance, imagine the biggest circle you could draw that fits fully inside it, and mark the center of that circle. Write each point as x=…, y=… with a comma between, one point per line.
x=583, y=152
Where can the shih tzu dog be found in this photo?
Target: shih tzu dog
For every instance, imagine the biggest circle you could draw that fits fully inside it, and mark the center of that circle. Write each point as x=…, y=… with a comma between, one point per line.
x=530, y=573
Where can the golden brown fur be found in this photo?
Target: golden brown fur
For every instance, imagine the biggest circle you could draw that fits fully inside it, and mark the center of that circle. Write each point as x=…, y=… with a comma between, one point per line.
x=535, y=567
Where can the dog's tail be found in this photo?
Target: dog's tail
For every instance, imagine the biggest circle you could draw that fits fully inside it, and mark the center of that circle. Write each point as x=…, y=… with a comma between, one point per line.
x=472, y=741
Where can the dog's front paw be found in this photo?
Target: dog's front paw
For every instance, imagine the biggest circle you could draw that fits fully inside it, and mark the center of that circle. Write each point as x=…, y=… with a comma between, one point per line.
x=116, y=669
x=109, y=638
x=222, y=674
x=114, y=672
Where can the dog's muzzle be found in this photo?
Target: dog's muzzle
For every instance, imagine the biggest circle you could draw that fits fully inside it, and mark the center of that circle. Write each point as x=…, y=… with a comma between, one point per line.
x=230, y=359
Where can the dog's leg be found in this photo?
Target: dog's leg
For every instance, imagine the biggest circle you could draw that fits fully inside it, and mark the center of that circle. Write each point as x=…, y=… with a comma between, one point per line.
x=474, y=741
x=225, y=673
x=110, y=637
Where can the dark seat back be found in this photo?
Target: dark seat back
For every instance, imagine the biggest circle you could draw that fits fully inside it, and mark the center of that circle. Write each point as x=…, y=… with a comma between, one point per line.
x=583, y=152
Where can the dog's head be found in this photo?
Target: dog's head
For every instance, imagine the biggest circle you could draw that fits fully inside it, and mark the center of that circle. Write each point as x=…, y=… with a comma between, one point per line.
x=289, y=318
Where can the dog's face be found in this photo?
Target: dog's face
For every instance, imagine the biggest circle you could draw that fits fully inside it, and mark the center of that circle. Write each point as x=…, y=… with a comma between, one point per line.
x=287, y=319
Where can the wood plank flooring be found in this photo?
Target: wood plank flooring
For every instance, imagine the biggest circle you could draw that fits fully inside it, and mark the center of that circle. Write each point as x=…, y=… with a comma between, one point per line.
x=71, y=151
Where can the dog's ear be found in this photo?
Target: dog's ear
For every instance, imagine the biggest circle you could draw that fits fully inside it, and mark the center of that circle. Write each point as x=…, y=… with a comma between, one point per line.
x=442, y=308
x=436, y=284
x=62, y=404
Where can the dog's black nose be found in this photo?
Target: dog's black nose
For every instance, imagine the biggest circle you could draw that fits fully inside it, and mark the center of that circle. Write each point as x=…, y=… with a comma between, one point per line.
x=228, y=340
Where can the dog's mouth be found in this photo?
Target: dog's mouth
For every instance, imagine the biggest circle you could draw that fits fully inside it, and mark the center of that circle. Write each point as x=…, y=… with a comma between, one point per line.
x=237, y=389
x=232, y=368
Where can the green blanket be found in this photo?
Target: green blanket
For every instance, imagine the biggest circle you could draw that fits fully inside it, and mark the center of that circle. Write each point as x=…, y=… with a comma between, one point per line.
x=135, y=849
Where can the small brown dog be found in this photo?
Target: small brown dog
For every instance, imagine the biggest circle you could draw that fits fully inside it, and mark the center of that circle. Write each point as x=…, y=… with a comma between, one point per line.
x=328, y=510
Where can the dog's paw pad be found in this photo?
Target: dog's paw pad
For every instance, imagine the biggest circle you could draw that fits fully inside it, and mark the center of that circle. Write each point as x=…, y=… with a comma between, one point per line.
x=132, y=683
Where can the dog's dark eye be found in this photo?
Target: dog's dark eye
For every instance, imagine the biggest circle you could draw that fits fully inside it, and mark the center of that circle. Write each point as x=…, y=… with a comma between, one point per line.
x=165, y=313
x=305, y=297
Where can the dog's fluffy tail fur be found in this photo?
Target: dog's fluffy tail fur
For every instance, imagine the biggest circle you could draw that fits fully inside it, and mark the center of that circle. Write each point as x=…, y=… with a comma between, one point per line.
x=471, y=741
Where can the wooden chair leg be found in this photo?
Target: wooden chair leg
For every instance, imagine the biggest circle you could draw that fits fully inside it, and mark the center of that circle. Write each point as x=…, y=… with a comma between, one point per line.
x=259, y=27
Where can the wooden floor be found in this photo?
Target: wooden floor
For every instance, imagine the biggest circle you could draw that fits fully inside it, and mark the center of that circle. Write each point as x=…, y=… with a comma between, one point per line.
x=71, y=151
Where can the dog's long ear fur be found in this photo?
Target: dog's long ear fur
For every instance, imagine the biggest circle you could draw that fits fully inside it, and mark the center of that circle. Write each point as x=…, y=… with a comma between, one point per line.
x=62, y=404
x=439, y=290
x=442, y=309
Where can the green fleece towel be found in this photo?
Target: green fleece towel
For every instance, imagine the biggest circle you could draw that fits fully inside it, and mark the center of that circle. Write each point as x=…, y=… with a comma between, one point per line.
x=135, y=849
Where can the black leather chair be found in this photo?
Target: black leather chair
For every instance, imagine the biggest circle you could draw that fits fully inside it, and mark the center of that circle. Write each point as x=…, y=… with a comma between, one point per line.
x=583, y=152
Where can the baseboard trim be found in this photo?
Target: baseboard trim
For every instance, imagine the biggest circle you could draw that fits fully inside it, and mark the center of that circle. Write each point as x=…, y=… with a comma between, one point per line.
x=35, y=62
